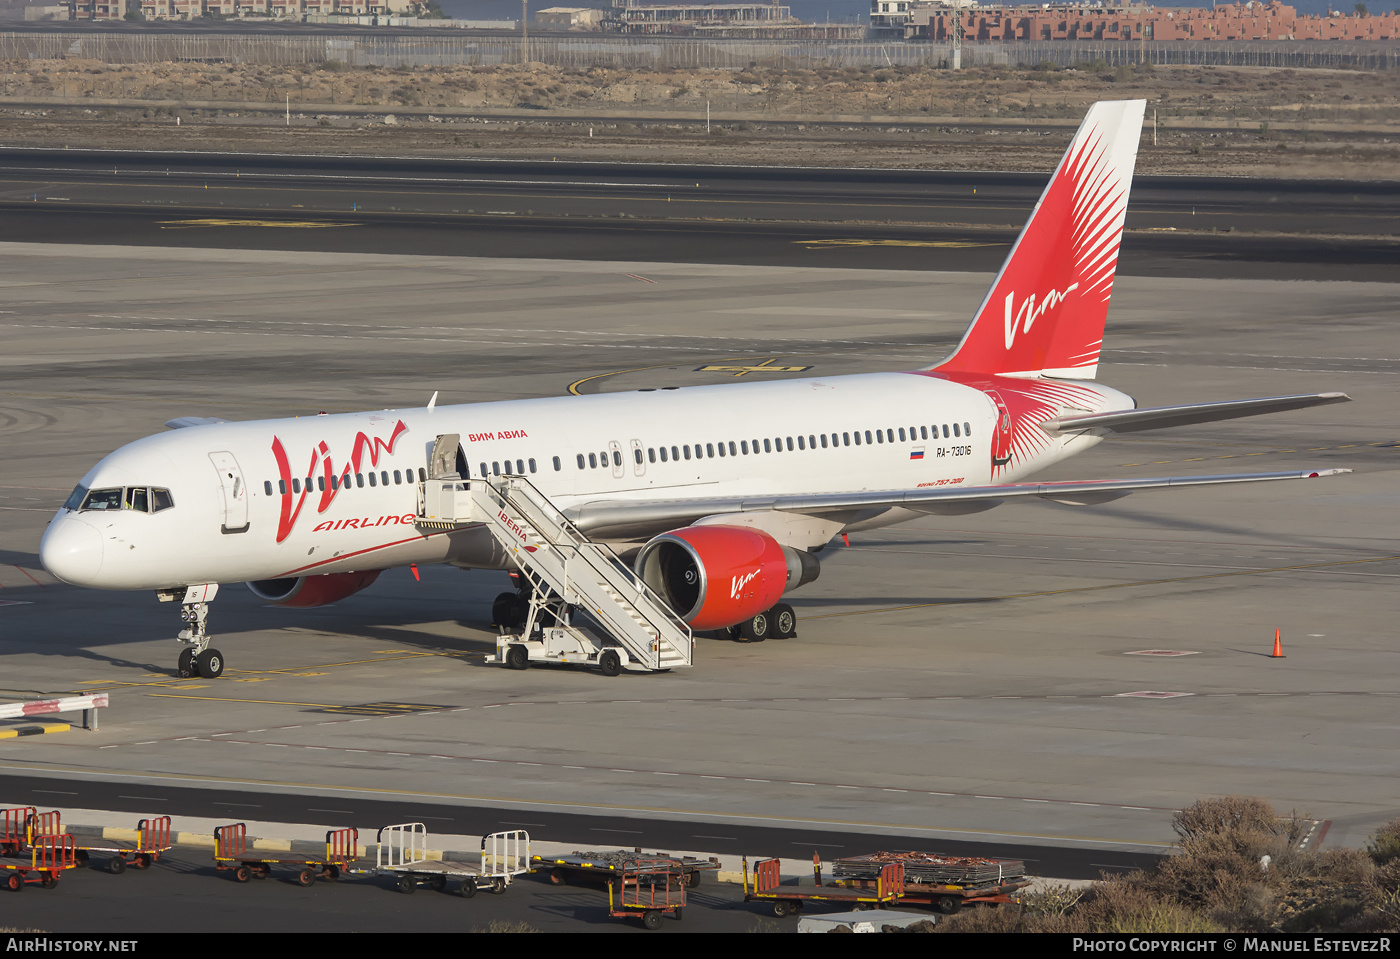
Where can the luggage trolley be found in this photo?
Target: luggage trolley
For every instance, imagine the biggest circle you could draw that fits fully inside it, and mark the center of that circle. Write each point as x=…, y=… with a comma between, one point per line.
x=14, y=829
x=152, y=839
x=648, y=889
x=231, y=852
x=49, y=857
x=403, y=852
x=945, y=883
x=561, y=868
x=787, y=900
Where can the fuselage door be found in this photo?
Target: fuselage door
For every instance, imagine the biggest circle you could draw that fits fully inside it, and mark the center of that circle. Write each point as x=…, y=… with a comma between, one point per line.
x=1001, y=434
x=235, y=492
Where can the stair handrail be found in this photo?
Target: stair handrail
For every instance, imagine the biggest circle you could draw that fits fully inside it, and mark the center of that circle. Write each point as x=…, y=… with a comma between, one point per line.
x=610, y=565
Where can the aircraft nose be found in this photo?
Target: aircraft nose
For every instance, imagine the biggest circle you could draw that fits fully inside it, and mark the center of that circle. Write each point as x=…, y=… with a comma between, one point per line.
x=72, y=550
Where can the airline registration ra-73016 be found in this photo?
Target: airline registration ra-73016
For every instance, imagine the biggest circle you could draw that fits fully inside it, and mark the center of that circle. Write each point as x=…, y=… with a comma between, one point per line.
x=719, y=497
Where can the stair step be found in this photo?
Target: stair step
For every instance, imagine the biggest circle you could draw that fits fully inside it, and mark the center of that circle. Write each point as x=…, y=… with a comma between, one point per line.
x=646, y=630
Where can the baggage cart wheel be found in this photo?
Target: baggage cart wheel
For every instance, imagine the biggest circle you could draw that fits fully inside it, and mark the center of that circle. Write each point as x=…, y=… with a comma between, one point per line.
x=438, y=883
x=407, y=883
x=498, y=886
x=609, y=663
x=651, y=919
x=14, y=882
x=782, y=908
x=242, y=874
x=184, y=667
x=81, y=858
x=143, y=860
x=262, y=870
x=949, y=905
x=116, y=865
x=332, y=873
x=468, y=889
x=557, y=876
x=210, y=663
x=692, y=879
x=306, y=877
x=517, y=657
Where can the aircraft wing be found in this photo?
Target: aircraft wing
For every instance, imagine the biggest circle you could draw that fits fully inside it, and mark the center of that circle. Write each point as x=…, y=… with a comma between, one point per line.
x=1161, y=417
x=629, y=519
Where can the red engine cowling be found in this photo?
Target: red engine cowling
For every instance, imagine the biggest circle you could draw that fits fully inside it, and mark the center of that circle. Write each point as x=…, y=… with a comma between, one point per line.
x=718, y=576
x=301, y=592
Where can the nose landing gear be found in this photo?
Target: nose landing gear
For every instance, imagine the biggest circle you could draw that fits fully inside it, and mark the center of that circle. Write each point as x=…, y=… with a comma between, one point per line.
x=198, y=658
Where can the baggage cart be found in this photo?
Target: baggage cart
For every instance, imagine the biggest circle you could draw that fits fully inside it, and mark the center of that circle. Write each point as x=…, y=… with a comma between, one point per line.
x=647, y=889
x=14, y=829
x=24, y=826
x=561, y=868
x=48, y=857
x=402, y=852
x=152, y=839
x=946, y=883
x=788, y=900
x=231, y=853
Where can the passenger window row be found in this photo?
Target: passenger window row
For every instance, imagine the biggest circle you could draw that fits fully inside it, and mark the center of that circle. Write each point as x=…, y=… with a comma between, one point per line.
x=604, y=459
x=382, y=478
x=776, y=444
x=497, y=468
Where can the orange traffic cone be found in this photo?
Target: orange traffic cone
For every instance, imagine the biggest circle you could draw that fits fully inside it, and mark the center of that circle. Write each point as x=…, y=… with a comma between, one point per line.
x=1278, y=645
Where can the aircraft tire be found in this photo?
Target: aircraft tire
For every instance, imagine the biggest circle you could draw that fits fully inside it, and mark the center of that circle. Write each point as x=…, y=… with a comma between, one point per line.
x=184, y=666
x=210, y=663
x=784, y=621
x=755, y=629
x=503, y=612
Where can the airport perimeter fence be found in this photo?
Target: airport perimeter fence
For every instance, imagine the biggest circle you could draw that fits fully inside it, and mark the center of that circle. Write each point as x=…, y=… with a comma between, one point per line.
x=676, y=53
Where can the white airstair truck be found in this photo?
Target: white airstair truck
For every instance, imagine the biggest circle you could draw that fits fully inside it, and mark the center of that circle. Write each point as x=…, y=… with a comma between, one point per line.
x=630, y=626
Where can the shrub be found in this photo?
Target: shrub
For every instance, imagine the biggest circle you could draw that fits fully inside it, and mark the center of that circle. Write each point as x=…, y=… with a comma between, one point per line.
x=1385, y=844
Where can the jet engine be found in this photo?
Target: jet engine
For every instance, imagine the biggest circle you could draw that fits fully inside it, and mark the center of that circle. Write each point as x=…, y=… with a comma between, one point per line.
x=717, y=576
x=301, y=592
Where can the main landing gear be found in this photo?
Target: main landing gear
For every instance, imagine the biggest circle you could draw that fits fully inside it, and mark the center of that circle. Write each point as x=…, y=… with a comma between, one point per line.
x=780, y=622
x=198, y=658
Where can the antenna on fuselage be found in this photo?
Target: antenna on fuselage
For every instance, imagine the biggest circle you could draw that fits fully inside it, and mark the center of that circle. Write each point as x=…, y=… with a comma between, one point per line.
x=432, y=402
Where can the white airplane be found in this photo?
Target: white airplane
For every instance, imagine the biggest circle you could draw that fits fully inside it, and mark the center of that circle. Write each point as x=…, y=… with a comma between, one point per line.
x=738, y=485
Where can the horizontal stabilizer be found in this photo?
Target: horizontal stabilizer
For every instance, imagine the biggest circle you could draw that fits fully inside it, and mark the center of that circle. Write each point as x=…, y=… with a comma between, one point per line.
x=180, y=422
x=1161, y=417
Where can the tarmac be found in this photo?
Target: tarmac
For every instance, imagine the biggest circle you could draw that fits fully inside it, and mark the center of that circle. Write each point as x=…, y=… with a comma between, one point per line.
x=999, y=677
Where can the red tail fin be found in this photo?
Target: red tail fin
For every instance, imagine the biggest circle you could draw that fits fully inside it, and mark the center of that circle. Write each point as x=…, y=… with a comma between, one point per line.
x=1044, y=315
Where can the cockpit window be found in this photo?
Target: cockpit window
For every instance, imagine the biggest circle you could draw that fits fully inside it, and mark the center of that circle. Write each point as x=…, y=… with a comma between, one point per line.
x=75, y=499
x=104, y=499
x=142, y=499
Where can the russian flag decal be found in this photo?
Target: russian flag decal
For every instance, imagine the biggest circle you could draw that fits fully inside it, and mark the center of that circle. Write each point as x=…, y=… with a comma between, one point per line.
x=916, y=454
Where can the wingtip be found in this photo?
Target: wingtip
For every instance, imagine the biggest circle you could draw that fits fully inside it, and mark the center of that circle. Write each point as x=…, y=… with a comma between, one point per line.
x=1314, y=474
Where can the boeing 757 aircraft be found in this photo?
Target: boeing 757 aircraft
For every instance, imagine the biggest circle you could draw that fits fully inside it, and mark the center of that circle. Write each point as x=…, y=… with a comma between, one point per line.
x=721, y=495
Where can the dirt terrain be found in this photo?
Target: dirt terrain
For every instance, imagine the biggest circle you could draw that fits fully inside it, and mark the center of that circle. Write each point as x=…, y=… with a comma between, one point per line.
x=1235, y=120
